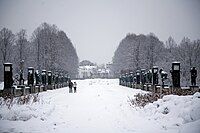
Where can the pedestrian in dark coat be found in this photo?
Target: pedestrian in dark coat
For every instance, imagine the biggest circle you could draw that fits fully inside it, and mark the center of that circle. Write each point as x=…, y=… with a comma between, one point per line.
x=70, y=86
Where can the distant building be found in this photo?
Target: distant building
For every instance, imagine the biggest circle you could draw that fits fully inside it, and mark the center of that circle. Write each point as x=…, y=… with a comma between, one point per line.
x=87, y=72
x=103, y=73
x=94, y=71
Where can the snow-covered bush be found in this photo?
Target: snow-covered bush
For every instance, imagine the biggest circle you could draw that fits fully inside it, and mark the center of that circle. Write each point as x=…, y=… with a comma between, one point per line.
x=27, y=99
x=143, y=99
x=177, y=109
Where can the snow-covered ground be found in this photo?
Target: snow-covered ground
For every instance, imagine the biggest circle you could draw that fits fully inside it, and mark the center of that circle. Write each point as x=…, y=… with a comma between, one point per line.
x=102, y=106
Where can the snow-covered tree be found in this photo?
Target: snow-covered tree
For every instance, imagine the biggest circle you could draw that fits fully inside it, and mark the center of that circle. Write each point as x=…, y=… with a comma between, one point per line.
x=20, y=49
x=53, y=50
x=86, y=63
x=137, y=52
x=44, y=38
x=6, y=42
x=140, y=51
x=188, y=55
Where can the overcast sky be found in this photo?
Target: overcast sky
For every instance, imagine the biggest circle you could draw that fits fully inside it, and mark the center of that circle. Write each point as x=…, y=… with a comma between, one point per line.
x=96, y=27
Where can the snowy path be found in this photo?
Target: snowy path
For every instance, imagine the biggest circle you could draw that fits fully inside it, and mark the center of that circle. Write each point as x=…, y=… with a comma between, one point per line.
x=99, y=106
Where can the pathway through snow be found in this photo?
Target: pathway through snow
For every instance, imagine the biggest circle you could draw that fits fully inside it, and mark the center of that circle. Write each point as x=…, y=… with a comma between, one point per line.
x=99, y=106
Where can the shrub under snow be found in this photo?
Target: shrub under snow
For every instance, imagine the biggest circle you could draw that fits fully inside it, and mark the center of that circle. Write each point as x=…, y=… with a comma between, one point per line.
x=173, y=110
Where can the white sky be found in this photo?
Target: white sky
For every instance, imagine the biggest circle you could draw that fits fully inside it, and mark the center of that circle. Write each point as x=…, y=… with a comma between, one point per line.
x=96, y=27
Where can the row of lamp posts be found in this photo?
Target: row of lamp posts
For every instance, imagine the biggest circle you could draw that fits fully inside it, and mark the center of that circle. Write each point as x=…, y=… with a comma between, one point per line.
x=144, y=78
x=46, y=79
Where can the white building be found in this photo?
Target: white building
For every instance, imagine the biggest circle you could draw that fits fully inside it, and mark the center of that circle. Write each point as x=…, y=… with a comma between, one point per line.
x=94, y=71
x=87, y=72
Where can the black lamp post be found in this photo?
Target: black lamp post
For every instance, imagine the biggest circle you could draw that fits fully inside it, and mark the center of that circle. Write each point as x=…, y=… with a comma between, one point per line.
x=21, y=79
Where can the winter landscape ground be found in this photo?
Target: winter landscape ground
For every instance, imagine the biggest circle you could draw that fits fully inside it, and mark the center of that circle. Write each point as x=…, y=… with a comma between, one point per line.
x=101, y=106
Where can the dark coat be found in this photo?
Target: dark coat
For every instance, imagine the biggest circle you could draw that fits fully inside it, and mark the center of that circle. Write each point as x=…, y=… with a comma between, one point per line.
x=70, y=84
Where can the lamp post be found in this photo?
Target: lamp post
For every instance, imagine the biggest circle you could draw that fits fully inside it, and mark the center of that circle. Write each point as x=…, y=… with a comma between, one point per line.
x=175, y=72
x=21, y=79
x=154, y=78
x=30, y=76
x=8, y=80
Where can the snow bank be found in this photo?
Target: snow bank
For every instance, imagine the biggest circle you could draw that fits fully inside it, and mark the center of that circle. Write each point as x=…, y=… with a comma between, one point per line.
x=14, y=111
x=174, y=111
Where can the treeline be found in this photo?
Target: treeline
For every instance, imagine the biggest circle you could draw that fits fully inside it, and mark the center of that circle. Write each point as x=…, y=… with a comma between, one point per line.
x=48, y=48
x=144, y=51
x=86, y=63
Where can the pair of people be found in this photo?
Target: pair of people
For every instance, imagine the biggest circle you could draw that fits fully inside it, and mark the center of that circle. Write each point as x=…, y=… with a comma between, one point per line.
x=72, y=85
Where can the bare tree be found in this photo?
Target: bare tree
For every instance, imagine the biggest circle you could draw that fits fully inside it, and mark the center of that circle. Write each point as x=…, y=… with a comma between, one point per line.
x=20, y=55
x=54, y=50
x=137, y=54
x=6, y=42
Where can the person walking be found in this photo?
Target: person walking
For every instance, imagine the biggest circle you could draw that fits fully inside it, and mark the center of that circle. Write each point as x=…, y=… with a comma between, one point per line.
x=70, y=86
x=75, y=85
